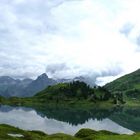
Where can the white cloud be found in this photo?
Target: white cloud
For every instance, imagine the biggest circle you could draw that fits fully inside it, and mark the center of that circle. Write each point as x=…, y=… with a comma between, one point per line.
x=83, y=34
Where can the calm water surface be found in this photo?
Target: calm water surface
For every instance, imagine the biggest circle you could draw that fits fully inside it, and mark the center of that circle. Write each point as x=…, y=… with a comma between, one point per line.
x=54, y=121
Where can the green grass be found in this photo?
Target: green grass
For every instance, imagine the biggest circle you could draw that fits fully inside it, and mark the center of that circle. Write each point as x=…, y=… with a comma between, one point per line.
x=132, y=103
x=137, y=86
x=88, y=134
x=125, y=83
x=73, y=103
x=30, y=135
x=83, y=134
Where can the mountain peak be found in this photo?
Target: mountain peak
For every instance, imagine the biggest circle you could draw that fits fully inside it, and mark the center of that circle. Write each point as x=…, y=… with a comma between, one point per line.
x=44, y=75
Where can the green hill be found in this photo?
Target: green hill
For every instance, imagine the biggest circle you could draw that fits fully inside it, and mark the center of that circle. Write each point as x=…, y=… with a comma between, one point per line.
x=74, y=94
x=74, y=90
x=129, y=85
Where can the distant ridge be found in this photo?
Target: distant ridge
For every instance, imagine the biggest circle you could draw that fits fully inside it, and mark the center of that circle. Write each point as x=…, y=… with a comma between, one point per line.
x=10, y=87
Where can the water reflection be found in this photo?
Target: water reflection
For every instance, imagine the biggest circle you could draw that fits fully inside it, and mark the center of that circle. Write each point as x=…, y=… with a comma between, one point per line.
x=54, y=121
x=76, y=116
x=128, y=117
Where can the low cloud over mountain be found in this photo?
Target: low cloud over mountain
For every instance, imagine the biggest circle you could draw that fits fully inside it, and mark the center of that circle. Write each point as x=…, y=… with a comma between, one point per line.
x=69, y=37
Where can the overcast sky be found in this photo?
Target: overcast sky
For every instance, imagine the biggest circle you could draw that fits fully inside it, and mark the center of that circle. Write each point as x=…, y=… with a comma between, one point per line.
x=67, y=38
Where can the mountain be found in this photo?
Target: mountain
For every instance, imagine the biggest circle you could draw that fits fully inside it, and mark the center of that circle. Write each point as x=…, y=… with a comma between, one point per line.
x=43, y=81
x=39, y=84
x=129, y=85
x=25, y=82
x=10, y=87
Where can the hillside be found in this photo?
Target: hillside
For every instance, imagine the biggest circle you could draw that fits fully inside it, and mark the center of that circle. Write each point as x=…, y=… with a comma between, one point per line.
x=75, y=94
x=73, y=90
x=129, y=85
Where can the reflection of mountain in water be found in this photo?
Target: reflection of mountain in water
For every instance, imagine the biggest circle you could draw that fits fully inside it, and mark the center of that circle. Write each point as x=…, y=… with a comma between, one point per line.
x=29, y=119
x=75, y=117
x=128, y=118
x=69, y=115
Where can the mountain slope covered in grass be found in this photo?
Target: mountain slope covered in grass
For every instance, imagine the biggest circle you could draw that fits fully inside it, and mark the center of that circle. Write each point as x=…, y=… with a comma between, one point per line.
x=129, y=85
x=74, y=90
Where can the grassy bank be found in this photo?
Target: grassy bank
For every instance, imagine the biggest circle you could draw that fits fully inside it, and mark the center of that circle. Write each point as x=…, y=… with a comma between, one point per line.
x=11, y=133
x=72, y=103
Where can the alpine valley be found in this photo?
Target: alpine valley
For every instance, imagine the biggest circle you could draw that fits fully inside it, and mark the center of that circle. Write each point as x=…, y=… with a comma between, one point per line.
x=52, y=106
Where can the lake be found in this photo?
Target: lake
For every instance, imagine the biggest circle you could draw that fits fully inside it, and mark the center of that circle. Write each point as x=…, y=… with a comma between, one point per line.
x=69, y=121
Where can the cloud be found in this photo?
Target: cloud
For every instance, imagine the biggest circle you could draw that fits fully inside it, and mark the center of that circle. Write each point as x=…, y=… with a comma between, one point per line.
x=126, y=29
x=69, y=37
x=55, y=68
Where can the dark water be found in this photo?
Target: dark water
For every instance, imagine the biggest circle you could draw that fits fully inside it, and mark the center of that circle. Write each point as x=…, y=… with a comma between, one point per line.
x=54, y=120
